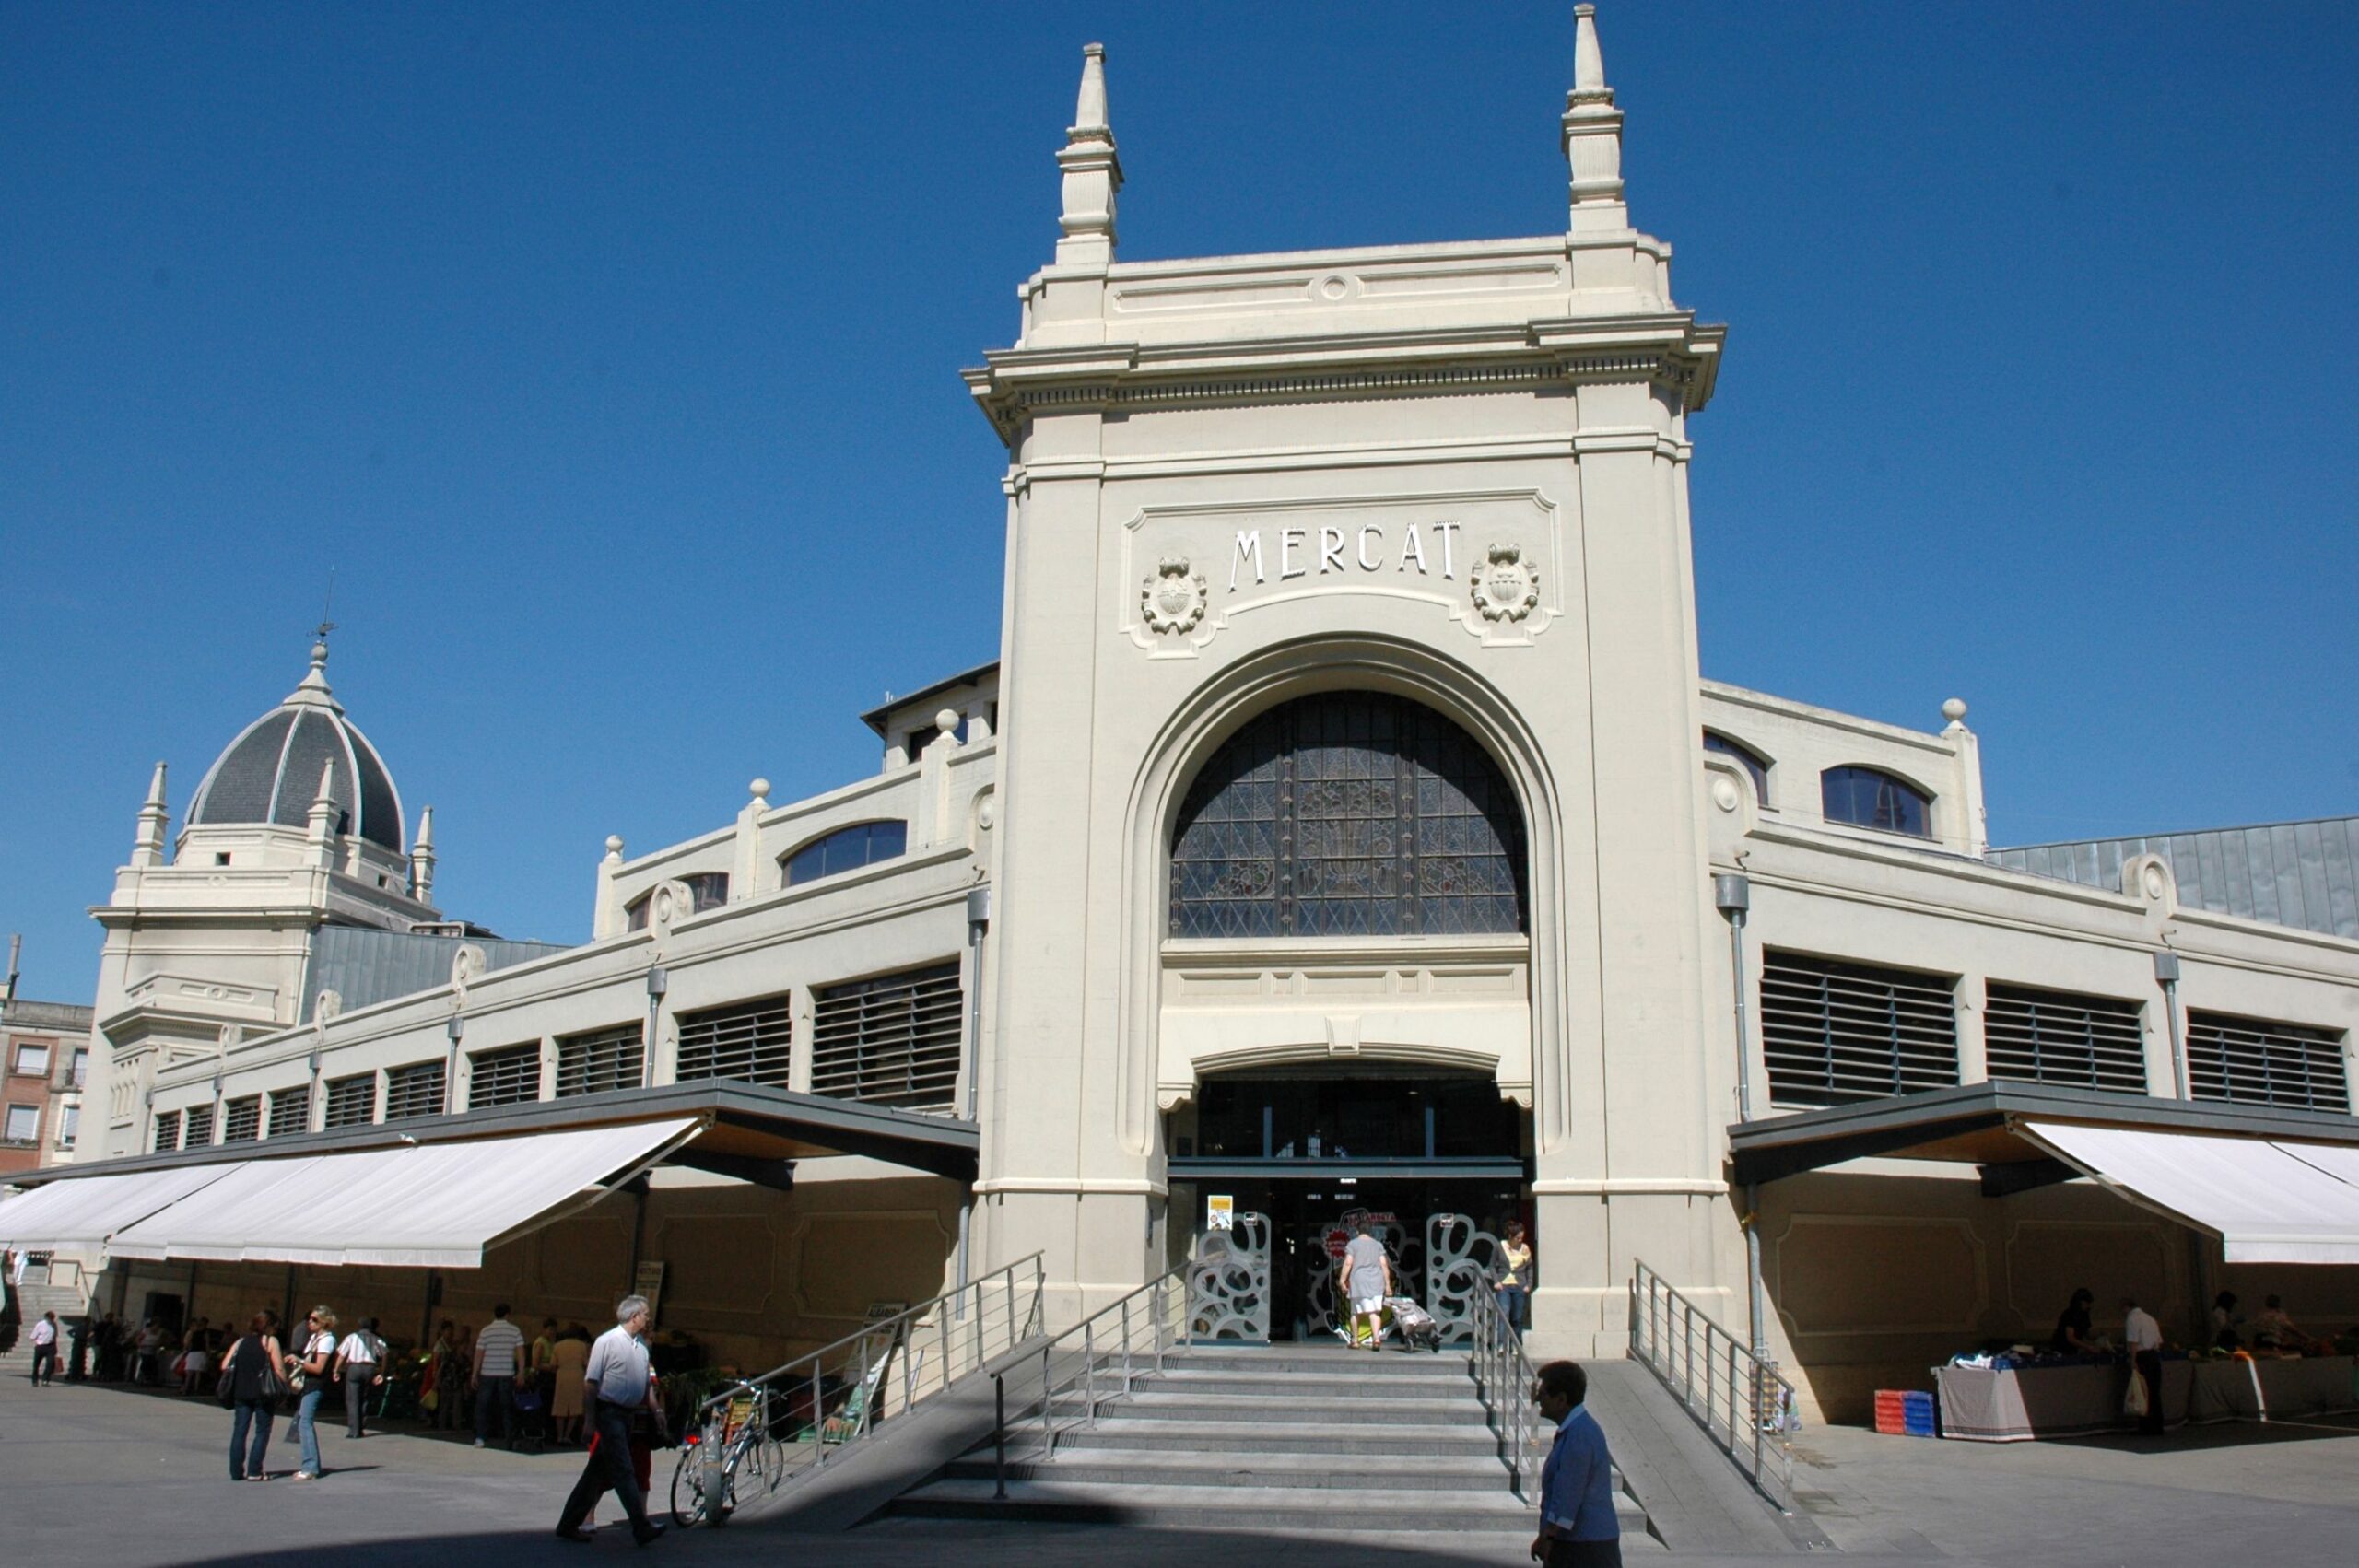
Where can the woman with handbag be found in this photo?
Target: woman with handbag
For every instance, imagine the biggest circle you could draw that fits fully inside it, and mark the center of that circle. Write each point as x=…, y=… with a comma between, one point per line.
x=251, y=1384
x=307, y=1375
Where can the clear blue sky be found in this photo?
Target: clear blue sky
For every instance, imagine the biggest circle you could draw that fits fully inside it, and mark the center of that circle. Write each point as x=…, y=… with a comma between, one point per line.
x=609, y=353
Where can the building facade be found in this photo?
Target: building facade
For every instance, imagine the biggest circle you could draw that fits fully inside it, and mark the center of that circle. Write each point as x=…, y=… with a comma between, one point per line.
x=1345, y=829
x=45, y=1051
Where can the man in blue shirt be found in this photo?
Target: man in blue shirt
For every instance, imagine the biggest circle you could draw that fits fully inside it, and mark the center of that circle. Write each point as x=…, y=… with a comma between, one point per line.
x=1578, y=1528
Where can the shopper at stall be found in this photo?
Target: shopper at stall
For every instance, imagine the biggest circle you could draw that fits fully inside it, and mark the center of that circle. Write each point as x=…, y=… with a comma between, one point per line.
x=499, y=1357
x=2144, y=1337
x=565, y=1402
x=617, y=1383
x=2272, y=1329
x=2074, y=1334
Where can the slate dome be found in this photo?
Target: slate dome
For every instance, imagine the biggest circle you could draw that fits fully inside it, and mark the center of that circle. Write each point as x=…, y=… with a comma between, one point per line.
x=270, y=774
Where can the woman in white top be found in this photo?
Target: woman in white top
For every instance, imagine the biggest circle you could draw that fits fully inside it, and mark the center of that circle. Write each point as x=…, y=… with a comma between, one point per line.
x=307, y=1374
x=360, y=1367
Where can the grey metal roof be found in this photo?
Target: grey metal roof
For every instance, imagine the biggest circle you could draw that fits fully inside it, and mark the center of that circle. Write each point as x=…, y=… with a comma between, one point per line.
x=271, y=772
x=2303, y=875
x=879, y=716
x=366, y=965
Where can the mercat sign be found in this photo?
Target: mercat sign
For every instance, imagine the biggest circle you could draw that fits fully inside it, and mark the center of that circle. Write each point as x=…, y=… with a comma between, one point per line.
x=1366, y=548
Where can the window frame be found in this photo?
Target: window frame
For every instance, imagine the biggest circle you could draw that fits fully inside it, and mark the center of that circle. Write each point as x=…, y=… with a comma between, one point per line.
x=25, y=1048
x=9, y=1134
x=489, y=1070
x=1908, y=790
x=841, y=833
x=1755, y=766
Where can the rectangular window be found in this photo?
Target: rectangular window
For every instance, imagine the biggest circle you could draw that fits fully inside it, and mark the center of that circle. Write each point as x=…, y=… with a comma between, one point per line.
x=290, y=1112
x=1834, y=1032
x=32, y=1061
x=242, y=1119
x=893, y=1040
x=81, y=1068
x=600, y=1059
x=415, y=1089
x=2091, y=1042
x=352, y=1102
x=2262, y=1063
x=197, y=1128
x=167, y=1131
x=69, y=1126
x=509, y=1076
x=750, y=1041
x=24, y=1124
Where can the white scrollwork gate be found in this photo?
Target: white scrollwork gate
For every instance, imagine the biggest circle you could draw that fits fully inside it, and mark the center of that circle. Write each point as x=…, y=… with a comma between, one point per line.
x=1461, y=1259
x=1229, y=1284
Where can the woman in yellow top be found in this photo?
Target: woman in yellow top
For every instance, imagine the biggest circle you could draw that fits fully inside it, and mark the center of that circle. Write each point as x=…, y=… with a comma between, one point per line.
x=1514, y=1283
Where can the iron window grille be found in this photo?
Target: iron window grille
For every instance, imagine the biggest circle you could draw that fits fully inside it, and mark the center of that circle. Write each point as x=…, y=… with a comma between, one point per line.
x=2261, y=1063
x=1834, y=1033
x=167, y=1131
x=352, y=1102
x=509, y=1076
x=242, y=1119
x=420, y=1089
x=1352, y=814
x=2091, y=1042
x=893, y=1040
x=1867, y=797
x=197, y=1128
x=753, y=1041
x=600, y=1059
x=290, y=1112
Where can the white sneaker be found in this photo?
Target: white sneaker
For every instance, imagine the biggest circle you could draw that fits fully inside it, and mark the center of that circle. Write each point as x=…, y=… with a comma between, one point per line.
x=478, y=1442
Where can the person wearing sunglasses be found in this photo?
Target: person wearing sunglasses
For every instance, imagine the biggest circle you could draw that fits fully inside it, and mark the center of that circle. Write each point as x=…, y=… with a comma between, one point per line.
x=1578, y=1527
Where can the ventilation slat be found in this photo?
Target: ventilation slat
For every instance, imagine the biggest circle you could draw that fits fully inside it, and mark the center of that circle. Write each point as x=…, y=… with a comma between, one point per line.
x=1833, y=1032
x=892, y=1040
x=600, y=1059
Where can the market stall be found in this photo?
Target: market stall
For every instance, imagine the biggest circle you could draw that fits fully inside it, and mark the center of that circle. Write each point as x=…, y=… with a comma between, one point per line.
x=2002, y=1401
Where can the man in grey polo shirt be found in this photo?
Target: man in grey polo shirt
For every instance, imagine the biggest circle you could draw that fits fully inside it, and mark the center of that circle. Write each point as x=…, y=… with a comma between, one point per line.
x=615, y=1382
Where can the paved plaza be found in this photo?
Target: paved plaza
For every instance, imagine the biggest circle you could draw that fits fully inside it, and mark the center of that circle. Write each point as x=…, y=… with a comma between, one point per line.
x=101, y=1475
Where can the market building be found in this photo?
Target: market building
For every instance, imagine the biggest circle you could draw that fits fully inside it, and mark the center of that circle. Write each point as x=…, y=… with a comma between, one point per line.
x=1345, y=827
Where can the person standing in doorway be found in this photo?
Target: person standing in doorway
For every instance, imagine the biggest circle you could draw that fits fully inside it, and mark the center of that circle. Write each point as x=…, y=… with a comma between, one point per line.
x=252, y=1374
x=2144, y=1337
x=1366, y=1274
x=360, y=1367
x=499, y=1355
x=617, y=1382
x=1578, y=1526
x=1515, y=1278
x=45, y=1349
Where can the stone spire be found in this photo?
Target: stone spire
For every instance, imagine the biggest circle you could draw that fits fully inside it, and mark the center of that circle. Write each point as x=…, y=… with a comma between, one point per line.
x=1092, y=171
x=147, y=849
x=421, y=858
x=1593, y=136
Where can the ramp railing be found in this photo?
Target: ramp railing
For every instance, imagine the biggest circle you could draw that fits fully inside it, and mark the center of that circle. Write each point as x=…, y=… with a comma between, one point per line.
x=1097, y=1361
x=1742, y=1403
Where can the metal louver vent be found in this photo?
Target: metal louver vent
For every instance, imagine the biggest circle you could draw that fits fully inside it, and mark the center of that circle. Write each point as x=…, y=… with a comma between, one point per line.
x=509, y=1076
x=290, y=1112
x=1834, y=1032
x=197, y=1128
x=242, y=1119
x=600, y=1059
x=752, y=1041
x=418, y=1089
x=2260, y=1063
x=352, y=1102
x=892, y=1040
x=2092, y=1042
x=167, y=1131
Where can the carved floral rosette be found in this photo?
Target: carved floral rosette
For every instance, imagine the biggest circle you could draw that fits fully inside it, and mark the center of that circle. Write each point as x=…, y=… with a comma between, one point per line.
x=1172, y=601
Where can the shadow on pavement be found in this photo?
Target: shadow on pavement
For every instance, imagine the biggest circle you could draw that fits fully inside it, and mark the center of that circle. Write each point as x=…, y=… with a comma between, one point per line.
x=2219, y=1435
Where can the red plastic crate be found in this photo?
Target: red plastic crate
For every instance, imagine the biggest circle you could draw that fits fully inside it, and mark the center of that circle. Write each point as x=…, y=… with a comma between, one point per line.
x=1892, y=1412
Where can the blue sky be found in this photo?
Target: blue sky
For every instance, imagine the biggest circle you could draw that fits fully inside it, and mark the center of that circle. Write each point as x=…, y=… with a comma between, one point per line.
x=608, y=354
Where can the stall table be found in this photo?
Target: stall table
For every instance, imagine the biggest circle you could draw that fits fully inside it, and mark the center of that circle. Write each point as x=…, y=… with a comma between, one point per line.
x=1983, y=1404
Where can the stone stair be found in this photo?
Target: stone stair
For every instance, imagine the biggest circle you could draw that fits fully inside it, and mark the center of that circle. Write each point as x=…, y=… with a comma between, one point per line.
x=1284, y=1438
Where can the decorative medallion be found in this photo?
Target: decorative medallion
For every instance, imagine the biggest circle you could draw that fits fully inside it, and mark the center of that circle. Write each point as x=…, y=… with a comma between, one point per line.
x=1173, y=599
x=1506, y=588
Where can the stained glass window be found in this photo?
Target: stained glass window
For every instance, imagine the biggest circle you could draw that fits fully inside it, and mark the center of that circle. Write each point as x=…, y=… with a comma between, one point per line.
x=1348, y=815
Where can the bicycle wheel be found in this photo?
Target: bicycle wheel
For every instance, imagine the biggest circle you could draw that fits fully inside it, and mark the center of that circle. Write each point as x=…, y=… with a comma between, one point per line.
x=690, y=1504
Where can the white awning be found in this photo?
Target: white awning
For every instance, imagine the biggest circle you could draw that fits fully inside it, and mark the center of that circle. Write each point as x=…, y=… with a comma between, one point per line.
x=78, y=1214
x=420, y=1206
x=2268, y=1202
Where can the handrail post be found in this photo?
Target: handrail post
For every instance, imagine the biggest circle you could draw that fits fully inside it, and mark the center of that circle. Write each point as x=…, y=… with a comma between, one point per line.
x=1089, y=1371
x=999, y=1436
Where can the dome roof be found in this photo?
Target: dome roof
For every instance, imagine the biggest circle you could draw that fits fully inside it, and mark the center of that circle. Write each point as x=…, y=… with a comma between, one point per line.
x=271, y=772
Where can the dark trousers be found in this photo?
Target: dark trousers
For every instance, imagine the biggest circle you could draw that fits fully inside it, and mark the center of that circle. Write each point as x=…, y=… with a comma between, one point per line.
x=2150, y=1368
x=608, y=1469
x=45, y=1363
x=243, y=1462
x=1584, y=1554
x=1515, y=1302
x=355, y=1396
x=495, y=1393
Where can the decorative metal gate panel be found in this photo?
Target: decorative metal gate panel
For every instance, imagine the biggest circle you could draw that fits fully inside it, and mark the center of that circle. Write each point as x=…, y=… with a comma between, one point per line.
x=1462, y=1259
x=1320, y=1314
x=1229, y=1284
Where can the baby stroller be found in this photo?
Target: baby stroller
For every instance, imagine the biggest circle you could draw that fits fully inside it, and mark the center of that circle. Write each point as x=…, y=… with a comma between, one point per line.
x=1414, y=1324
x=530, y=1411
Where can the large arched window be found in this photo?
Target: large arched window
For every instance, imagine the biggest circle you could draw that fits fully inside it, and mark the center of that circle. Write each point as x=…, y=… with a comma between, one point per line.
x=1867, y=797
x=862, y=844
x=1350, y=814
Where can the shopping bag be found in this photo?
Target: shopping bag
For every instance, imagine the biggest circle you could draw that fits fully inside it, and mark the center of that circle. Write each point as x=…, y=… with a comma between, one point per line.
x=2134, y=1399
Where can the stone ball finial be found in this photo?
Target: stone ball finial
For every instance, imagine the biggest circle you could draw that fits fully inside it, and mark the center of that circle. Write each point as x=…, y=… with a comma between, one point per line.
x=761, y=789
x=947, y=720
x=614, y=843
x=1955, y=709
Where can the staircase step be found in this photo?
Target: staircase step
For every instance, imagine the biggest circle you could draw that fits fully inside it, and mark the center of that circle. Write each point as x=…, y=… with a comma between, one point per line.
x=1318, y=1472
x=1230, y=1508
x=1351, y=1382
x=1116, y=1430
x=1394, y=1362
x=1150, y=1405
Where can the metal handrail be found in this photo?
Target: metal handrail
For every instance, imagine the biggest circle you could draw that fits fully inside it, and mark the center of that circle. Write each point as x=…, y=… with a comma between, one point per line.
x=935, y=1344
x=1503, y=1379
x=1114, y=1340
x=1743, y=1403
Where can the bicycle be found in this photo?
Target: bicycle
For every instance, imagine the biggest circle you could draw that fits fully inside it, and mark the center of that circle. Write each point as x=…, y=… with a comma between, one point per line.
x=752, y=1463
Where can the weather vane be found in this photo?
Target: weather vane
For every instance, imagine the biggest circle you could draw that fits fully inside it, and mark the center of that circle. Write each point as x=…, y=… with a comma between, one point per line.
x=327, y=608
